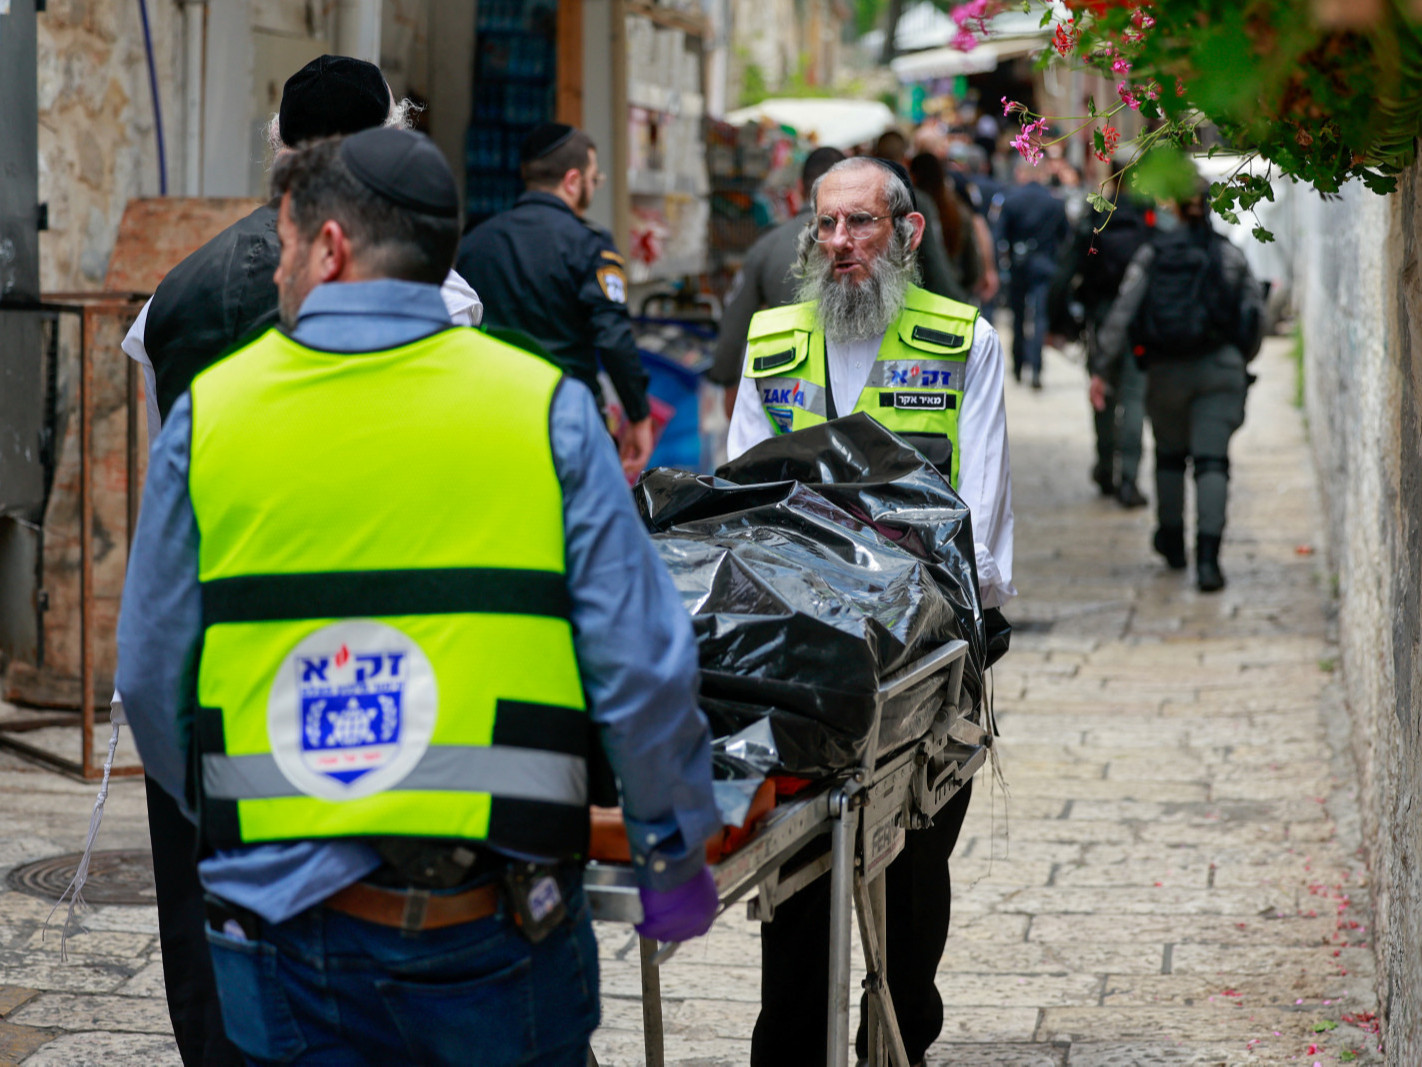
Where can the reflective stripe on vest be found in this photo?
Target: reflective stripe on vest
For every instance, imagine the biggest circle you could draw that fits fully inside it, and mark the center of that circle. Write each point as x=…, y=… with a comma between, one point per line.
x=914, y=388
x=386, y=648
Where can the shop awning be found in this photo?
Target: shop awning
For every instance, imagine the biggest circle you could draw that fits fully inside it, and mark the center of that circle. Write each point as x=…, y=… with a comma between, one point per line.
x=834, y=122
x=949, y=62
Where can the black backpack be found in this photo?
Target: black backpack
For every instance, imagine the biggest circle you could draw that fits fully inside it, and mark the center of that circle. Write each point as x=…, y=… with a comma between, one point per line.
x=1186, y=311
x=1120, y=237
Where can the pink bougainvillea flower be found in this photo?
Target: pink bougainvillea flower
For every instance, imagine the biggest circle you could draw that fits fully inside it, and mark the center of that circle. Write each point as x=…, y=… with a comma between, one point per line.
x=965, y=41
x=1029, y=141
x=974, y=10
x=1128, y=96
x=1121, y=66
x=1141, y=19
x=1010, y=107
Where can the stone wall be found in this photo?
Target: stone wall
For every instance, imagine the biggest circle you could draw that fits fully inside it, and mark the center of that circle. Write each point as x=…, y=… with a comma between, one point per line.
x=96, y=131
x=1360, y=295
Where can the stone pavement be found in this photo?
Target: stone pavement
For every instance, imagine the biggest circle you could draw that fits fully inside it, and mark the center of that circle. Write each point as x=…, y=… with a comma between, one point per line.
x=1171, y=877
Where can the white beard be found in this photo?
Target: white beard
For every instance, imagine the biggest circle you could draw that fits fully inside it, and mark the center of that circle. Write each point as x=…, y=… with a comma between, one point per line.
x=858, y=311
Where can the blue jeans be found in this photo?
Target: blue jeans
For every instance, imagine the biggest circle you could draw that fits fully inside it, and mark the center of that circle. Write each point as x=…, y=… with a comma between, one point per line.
x=325, y=988
x=1027, y=294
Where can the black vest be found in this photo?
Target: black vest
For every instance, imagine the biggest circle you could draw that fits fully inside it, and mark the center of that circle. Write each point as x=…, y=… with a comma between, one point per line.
x=221, y=294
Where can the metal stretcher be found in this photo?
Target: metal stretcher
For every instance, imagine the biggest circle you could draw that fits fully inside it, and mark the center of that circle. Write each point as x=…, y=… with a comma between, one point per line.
x=865, y=814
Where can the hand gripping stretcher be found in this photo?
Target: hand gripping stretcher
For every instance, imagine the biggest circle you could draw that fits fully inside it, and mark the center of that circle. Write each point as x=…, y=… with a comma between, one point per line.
x=864, y=813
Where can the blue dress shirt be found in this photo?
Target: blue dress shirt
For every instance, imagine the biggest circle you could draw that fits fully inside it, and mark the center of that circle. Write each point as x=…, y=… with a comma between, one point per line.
x=633, y=639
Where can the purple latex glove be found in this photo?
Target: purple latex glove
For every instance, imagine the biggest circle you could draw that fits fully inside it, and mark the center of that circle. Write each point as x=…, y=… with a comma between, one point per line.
x=679, y=914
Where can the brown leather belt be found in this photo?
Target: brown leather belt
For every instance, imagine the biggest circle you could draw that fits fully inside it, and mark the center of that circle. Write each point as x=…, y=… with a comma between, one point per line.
x=415, y=909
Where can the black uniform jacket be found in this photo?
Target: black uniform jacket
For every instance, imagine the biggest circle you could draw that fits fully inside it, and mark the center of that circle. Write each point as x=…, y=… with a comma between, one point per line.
x=219, y=295
x=543, y=271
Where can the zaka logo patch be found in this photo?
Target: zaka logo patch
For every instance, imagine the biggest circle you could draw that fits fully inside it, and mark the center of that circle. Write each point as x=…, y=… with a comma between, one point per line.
x=352, y=710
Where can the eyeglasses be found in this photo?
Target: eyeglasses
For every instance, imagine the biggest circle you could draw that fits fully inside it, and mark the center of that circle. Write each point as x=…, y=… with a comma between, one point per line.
x=858, y=224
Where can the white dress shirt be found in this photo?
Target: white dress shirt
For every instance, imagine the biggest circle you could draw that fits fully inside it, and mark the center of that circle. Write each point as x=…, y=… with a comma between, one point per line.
x=460, y=300
x=984, y=469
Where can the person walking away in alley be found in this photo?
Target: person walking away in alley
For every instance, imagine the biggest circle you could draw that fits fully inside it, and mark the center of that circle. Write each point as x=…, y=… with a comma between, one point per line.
x=1191, y=312
x=955, y=218
x=970, y=172
x=861, y=318
x=387, y=601
x=936, y=271
x=764, y=280
x=1089, y=275
x=1033, y=226
x=216, y=297
x=545, y=271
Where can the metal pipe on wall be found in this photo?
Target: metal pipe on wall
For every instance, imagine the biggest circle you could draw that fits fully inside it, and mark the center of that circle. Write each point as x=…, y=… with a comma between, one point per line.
x=194, y=35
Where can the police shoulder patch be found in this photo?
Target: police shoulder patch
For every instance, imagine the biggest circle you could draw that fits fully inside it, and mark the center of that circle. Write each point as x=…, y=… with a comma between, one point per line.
x=613, y=282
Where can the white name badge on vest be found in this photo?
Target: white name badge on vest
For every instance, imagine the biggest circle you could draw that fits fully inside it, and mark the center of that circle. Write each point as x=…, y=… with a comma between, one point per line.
x=352, y=710
x=917, y=401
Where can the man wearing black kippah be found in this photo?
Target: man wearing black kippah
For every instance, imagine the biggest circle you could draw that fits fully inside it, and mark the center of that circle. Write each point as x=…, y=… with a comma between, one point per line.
x=543, y=270
x=388, y=598
x=205, y=305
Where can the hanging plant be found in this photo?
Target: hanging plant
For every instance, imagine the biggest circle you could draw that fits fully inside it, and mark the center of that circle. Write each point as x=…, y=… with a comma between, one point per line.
x=1320, y=104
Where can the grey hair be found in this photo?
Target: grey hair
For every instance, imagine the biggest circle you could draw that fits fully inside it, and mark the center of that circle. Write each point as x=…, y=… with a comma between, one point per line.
x=897, y=195
x=400, y=117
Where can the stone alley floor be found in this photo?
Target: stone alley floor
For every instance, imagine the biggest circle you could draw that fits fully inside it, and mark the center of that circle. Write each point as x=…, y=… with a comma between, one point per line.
x=1172, y=875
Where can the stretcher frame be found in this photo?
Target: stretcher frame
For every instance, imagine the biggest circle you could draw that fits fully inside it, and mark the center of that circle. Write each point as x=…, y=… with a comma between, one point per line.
x=865, y=813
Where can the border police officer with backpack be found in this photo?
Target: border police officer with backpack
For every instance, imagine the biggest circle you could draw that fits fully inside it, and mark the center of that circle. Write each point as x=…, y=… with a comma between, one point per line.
x=1089, y=275
x=1191, y=312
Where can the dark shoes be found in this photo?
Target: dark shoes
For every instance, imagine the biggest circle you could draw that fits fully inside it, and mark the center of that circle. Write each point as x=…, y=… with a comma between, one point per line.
x=1208, y=576
x=1130, y=497
x=1169, y=541
x=1037, y=380
x=1105, y=480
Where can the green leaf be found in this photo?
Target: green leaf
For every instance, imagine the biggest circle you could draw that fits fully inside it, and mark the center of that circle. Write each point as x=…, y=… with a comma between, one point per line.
x=1262, y=235
x=1099, y=139
x=1165, y=173
x=1091, y=106
x=1325, y=1025
x=1026, y=7
x=1098, y=202
x=1046, y=16
x=1348, y=1055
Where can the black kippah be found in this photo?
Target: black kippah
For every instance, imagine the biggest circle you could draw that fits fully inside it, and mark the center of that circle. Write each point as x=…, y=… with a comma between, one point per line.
x=331, y=96
x=544, y=139
x=899, y=171
x=403, y=167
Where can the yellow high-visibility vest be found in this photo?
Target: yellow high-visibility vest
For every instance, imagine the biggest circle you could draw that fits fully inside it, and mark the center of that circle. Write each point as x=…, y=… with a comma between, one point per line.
x=386, y=639
x=915, y=387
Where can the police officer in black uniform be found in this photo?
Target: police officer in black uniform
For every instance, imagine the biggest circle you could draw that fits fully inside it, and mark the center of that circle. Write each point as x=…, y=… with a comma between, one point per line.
x=544, y=271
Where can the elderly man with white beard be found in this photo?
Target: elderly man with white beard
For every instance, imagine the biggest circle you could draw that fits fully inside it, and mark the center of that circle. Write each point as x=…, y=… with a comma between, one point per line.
x=865, y=338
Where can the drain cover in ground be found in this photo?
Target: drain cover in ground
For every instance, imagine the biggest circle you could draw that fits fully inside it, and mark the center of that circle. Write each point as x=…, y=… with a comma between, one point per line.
x=116, y=876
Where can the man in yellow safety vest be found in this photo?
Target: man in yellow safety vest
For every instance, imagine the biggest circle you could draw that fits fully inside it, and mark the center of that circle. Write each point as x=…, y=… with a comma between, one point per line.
x=388, y=602
x=864, y=338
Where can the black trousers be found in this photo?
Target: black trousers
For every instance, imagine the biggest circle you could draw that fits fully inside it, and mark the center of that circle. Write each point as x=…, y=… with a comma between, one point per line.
x=182, y=932
x=794, y=982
